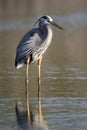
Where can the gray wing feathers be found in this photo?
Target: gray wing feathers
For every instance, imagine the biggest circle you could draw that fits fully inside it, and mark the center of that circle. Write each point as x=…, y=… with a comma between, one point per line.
x=27, y=46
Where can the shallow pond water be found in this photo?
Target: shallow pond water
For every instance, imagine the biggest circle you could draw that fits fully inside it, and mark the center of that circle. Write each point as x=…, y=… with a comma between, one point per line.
x=63, y=72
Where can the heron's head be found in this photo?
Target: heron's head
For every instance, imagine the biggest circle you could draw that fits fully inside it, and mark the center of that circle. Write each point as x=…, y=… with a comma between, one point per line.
x=48, y=20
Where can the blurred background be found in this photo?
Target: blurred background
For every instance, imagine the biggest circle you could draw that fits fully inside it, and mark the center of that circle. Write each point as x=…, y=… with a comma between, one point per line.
x=64, y=68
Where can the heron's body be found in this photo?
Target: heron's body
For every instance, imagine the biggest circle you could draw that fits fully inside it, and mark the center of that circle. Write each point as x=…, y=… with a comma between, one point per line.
x=32, y=47
x=33, y=44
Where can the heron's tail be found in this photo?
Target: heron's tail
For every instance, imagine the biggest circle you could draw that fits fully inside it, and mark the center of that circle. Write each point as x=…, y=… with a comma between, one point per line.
x=19, y=64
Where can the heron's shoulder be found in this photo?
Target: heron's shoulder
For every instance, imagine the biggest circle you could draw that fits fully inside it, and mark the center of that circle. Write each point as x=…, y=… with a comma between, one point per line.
x=32, y=32
x=30, y=35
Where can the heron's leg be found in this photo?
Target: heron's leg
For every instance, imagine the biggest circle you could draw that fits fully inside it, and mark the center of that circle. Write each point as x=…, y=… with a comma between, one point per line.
x=39, y=86
x=26, y=87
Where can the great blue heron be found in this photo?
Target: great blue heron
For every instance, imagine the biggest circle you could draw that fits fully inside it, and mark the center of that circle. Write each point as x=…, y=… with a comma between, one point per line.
x=34, y=44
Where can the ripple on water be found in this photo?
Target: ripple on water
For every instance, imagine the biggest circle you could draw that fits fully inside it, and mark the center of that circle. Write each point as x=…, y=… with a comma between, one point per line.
x=66, y=112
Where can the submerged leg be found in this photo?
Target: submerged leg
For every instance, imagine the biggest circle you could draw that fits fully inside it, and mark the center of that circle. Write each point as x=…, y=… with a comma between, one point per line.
x=26, y=87
x=39, y=86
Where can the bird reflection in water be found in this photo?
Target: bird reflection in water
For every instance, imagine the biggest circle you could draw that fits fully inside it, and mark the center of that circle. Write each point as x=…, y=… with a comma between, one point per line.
x=27, y=120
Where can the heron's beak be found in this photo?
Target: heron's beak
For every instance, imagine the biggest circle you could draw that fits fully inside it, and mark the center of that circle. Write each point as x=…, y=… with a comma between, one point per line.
x=56, y=25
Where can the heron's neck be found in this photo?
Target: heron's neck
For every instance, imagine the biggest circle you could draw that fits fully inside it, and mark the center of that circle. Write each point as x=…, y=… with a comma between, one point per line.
x=47, y=31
